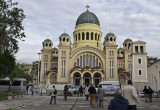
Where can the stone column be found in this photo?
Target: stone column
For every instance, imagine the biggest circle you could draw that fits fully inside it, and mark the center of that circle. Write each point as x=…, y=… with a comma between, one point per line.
x=82, y=81
x=92, y=80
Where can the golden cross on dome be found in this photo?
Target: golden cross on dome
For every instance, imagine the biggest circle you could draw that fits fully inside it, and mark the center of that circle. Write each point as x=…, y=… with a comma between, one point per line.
x=87, y=6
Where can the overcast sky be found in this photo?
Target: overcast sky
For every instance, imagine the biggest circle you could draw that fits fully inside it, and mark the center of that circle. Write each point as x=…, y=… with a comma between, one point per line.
x=134, y=19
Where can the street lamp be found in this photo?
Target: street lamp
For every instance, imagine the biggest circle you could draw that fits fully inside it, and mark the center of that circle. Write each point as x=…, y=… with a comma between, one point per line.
x=38, y=67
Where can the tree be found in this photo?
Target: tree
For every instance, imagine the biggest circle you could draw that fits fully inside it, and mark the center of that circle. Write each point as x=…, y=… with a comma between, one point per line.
x=20, y=71
x=11, y=29
x=7, y=64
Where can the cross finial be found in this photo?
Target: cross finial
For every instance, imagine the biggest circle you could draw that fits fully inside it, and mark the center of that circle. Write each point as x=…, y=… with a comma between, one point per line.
x=87, y=7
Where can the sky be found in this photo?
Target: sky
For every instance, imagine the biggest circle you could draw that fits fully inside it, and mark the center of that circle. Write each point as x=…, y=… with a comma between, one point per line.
x=134, y=19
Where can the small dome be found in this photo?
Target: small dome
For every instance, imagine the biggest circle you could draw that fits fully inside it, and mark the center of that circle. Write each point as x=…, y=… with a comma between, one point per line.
x=54, y=48
x=64, y=34
x=47, y=40
x=110, y=34
x=120, y=48
x=87, y=17
x=128, y=40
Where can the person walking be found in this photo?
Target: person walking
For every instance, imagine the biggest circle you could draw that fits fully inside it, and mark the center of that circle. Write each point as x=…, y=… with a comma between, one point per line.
x=145, y=91
x=150, y=92
x=81, y=91
x=96, y=96
x=53, y=95
x=32, y=90
x=65, y=92
x=118, y=102
x=27, y=87
x=86, y=92
x=92, y=92
x=100, y=94
x=129, y=92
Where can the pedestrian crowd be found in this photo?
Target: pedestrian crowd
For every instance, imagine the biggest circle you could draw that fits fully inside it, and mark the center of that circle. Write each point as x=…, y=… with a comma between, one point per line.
x=124, y=99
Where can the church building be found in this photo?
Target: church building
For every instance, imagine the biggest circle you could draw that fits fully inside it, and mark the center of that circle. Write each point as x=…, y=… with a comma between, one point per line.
x=89, y=61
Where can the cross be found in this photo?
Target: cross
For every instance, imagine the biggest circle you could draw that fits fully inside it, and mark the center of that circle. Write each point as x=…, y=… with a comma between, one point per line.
x=87, y=6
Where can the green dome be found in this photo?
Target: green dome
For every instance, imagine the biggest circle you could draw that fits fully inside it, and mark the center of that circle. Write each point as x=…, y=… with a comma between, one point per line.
x=87, y=17
x=110, y=34
x=64, y=34
x=47, y=40
x=54, y=48
x=120, y=48
x=128, y=40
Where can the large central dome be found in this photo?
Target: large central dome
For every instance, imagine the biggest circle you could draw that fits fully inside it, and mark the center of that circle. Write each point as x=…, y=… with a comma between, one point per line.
x=87, y=17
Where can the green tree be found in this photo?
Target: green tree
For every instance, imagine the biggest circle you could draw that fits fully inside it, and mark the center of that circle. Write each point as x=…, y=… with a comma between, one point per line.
x=11, y=28
x=7, y=64
x=20, y=71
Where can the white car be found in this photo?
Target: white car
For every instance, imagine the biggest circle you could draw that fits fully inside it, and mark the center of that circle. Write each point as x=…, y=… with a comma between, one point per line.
x=60, y=89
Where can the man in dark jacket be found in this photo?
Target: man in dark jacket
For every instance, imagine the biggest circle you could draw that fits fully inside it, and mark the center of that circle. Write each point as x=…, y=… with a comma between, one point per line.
x=150, y=91
x=145, y=91
x=119, y=102
x=92, y=92
x=65, y=92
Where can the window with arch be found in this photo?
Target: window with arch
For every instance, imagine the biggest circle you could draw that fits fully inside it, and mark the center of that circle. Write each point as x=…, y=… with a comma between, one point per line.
x=91, y=35
x=46, y=45
x=91, y=61
x=94, y=61
x=83, y=61
x=80, y=61
x=125, y=45
x=77, y=61
x=129, y=46
x=107, y=39
x=68, y=40
x=111, y=39
x=96, y=36
x=114, y=39
x=87, y=38
x=76, y=37
x=83, y=36
x=63, y=39
x=79, y=36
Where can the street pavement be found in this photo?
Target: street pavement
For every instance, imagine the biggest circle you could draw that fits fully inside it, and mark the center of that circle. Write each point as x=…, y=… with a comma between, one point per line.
x=37, y=102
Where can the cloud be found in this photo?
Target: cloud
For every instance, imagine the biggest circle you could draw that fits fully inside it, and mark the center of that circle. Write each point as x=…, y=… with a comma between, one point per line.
x=136, y=19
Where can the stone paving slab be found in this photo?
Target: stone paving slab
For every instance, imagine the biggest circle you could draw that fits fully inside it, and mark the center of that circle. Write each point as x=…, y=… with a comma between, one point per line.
x=77, y=103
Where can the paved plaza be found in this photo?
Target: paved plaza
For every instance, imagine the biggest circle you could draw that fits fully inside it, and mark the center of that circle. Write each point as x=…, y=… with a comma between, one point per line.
x=74, y=103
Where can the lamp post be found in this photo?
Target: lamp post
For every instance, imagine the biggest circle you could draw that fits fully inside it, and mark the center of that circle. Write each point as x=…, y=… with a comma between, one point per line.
x=38, y=67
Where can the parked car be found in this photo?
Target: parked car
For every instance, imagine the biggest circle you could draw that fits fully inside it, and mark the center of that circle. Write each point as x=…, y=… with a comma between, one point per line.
x=60, y=89
x=154, y=94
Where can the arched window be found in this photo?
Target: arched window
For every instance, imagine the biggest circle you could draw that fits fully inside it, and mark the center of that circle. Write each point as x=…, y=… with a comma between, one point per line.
x=87, y=38
x=81, y=61
x=76, y=37
x=79, y=36
x=99, y=64
x=96, y=36
x=94, y=61
x=114, y=39
x=107, y=39
x=83, y=36
x=92, y=36
x=111, y=39
x=84, y=61
x=125, y=45
x=77, y=61
x=67, y=40
x=50, y=45
x=91, y=61
x=46, y=45
x=63, y=39
x=129, y=45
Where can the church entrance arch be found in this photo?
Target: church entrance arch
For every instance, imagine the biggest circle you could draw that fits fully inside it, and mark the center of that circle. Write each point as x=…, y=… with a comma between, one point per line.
x=87, y=78
x=77, y=79
x=97, y=78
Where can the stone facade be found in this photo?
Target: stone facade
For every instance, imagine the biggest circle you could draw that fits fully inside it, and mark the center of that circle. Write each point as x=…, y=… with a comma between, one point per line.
x=88, y=60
